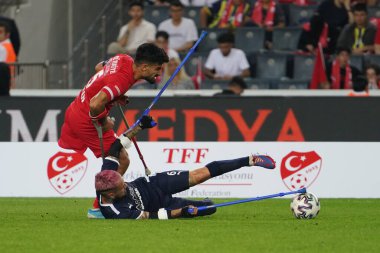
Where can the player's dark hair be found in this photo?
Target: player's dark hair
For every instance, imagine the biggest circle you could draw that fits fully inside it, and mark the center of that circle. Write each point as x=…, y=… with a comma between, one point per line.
x=151, y=54
x=360, y=7
x=343, y=49
x=162, y=34
x=176, y=3
x=6, y=27
x=136, y=3
x=226, y=38
x=238, y=81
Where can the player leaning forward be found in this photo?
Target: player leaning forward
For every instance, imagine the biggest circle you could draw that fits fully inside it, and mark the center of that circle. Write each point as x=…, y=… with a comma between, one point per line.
x=151, y=197
x=105, y=88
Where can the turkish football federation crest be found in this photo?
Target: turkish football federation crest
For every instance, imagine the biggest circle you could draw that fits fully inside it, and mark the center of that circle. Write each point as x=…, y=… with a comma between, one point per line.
x=300, y=170
x=66, y=170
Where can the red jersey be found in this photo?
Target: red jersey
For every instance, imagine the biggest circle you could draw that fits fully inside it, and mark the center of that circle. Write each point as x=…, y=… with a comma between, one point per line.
x=115, y=79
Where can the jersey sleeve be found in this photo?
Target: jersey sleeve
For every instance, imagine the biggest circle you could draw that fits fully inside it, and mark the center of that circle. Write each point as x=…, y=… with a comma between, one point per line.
x=118, y=77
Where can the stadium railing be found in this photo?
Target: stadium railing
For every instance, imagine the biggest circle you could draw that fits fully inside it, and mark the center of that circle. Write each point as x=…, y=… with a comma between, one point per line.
x=47, y=75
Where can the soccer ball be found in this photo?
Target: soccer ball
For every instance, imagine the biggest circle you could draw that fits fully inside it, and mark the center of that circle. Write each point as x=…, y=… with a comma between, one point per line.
x=305, y=206
x=298, y=181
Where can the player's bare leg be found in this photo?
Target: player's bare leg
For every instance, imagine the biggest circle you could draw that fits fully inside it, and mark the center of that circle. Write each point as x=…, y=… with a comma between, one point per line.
x=124, y=161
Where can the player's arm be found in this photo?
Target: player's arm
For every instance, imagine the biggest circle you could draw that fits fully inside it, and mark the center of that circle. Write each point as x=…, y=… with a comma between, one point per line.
x=100, y=66
x=164, y=214
x=98, y=110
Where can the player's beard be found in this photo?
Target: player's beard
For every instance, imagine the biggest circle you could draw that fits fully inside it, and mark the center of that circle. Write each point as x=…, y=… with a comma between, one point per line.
x=151, y=79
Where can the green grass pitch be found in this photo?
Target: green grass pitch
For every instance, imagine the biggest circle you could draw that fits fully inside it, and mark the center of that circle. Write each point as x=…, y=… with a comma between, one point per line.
x=60, y=225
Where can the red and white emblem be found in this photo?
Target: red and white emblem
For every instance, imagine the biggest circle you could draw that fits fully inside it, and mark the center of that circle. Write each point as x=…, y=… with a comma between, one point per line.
x=300, y=170
x=66, y=170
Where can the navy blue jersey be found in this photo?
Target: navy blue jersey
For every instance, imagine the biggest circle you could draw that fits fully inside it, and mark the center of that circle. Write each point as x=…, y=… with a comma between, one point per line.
x=147, y=195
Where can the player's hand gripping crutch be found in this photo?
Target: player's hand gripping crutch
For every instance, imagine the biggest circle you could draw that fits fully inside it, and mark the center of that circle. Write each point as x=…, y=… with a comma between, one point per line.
x=147, y=171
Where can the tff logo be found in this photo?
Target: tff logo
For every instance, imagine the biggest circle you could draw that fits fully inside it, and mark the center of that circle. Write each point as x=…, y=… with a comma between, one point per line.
x=66, y=170
x=300, y=169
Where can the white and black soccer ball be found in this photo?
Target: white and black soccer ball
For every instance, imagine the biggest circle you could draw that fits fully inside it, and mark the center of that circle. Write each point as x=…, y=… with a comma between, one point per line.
x=305, y=206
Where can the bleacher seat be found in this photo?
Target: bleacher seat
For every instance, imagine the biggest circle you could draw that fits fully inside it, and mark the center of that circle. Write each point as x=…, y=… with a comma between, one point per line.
x=156, y=14
x=144, y=86
x=291, y=84
x=300, y=14
x=271, y=66
x=357, y=62
x=249, y=39
x=214, y=84
x=210, y=41
x=374, y=12
x=372, y=59
x=192, y=63
x=286, y=39
x=258, y=84
x=193, y=12
x=303, y=67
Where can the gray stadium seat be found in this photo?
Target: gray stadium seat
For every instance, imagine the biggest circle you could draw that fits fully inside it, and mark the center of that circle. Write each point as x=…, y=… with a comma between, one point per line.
x=250, y=39
x=303, y=67
x=192, y=63
x=214, y=84
x=144, y=86
x=210, y=41
x=292, y=85
x=300, y=14
x=271, y=66
x=156, y=14
x=193, y=12
x=372, y=59
x=286, y=39
x=258, y=84
x=374, y=12
x=357, y=61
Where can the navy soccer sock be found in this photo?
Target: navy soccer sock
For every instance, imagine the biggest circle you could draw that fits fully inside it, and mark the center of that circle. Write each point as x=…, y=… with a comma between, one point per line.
x=218, y=168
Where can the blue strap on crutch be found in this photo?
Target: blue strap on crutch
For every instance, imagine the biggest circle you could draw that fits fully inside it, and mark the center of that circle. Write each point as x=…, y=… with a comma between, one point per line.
x=281, y=194
x=147, y=110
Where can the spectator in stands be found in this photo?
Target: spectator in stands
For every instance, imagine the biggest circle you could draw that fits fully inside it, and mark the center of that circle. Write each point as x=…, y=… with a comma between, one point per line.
x=159, y=2
x=360, y=35
x=235, y=87
x=182, y=31
x=181, y=81
x=162, y=41
x=331, y=15
x=360, y=87
x=225, y=61
x=14, y=34
x=135, y=33
x=339, y=72
x=266, y=14
x=5, y=79
x=372, y=73
x=7, y=52
x=225, y=14
x=198, y=2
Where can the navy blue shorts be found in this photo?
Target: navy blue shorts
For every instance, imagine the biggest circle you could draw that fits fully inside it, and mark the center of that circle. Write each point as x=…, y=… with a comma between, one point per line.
x=171, y=182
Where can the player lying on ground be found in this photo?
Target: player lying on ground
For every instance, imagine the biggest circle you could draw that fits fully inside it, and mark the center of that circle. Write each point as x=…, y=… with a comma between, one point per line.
x=108, y=86
x=151, y=198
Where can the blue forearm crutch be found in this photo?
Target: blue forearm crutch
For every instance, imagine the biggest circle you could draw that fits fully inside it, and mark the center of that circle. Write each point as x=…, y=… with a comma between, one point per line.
x=303, y=190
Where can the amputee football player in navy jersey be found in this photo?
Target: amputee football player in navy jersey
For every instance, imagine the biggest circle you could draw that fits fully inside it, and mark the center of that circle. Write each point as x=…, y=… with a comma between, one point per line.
x=151, y=197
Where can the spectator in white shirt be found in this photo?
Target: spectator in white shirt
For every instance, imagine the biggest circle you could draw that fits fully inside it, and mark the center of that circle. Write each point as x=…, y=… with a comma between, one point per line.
x=226, y=62
x=198, y=3
x=182, y=31
x=135, y=33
